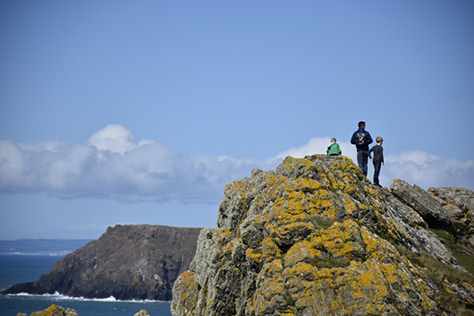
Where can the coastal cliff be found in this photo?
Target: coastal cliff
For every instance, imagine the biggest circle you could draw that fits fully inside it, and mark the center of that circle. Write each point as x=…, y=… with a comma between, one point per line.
x=315, y=237
x=126, y=262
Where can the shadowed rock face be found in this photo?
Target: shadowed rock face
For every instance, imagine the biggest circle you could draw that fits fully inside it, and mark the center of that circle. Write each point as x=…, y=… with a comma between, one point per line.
x=127, y=262
x=458, y=203
x=422, y=202
x=315, y=237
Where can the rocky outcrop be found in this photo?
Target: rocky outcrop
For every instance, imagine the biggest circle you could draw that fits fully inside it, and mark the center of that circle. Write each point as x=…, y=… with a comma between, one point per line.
x=422, y=202
x=458, y=204
x=315, y=237
x=127, y=262
x=56, y=310
x=53, y=310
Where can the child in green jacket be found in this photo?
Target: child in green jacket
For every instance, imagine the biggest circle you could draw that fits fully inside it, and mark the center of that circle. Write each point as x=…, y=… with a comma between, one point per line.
x=334, y=149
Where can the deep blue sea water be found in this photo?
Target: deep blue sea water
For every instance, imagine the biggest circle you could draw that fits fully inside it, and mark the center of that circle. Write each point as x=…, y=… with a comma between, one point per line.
x=24, y=268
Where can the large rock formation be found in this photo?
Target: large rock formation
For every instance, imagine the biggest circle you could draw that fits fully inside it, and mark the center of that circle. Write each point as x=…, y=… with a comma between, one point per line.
x=127, y=262
x=315, y=237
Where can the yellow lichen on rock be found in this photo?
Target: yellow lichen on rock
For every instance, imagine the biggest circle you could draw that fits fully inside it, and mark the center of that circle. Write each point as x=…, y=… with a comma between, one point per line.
x=55, y=310
x=187, y=303
x=306, y=239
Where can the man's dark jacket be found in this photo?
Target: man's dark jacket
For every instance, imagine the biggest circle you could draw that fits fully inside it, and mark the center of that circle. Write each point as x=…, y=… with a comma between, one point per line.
x=368, y=138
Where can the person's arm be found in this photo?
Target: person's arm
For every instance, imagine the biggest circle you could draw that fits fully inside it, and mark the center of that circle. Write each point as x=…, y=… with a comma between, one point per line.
x=369, y=138
x=353, y=138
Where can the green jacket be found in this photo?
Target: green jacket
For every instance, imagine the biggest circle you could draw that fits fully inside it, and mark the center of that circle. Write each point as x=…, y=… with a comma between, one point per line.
x=334, y=149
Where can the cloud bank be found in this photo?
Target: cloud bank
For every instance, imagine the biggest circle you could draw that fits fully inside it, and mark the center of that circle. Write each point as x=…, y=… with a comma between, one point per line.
x=113, y=165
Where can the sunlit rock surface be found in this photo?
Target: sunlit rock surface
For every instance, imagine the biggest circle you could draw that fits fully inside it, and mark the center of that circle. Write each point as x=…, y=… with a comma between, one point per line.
x=315, y=237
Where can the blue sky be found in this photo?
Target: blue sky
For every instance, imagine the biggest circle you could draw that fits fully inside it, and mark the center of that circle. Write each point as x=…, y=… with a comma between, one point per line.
x=116, y=112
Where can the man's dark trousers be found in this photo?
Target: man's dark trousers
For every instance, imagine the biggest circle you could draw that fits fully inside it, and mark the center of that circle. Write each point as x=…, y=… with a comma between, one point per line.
x=363, y=160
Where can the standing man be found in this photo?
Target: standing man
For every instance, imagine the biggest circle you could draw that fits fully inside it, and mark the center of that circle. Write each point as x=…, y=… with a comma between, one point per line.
x=361, y=138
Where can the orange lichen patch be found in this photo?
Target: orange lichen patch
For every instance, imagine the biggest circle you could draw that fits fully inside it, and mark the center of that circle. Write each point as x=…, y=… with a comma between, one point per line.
x=370, y=284
x=50, y=311
x=299, y=279
x=345, y=166
x=224, y=235
x=190, y=288
x=340, y=239
x=427, y=304
x=240, y=187
x=377, y=247
x=254, y=256
x=224, y=239
x=270, y=291
x=307, y=185
x=227, y=249
x=269, y=249
x=291, y=163
x=349, y=205
x=302, y=251
x=295, y=230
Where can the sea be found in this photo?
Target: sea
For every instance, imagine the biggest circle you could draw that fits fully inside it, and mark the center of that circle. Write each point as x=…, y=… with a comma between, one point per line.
x=26, y=267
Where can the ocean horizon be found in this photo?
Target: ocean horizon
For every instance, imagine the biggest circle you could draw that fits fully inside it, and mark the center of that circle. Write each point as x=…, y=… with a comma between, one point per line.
x=18, y=267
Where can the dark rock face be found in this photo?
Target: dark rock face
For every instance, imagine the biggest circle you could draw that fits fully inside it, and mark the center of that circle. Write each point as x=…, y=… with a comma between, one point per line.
x=127, y=262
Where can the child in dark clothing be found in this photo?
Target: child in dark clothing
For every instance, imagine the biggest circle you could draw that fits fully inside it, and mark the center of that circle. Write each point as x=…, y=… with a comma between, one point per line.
x=377, y=159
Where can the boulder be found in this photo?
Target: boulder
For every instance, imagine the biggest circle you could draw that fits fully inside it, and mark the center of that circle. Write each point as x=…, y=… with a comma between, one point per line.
x=458, y=203
x=54, y=310
x=422, y=202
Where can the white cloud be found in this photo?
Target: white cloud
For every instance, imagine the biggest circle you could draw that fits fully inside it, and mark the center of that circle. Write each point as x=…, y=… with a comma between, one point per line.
x=112, y=165
x=416, y=157
x=427, y=170
x=115, y=138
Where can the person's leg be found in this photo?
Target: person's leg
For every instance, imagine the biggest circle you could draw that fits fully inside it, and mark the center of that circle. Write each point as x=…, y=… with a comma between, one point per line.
x=377, y=166
x=360, y=160
x=366, y=162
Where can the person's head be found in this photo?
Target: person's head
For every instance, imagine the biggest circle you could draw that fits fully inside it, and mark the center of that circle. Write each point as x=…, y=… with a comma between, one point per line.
x=333, y=140
x=379, y=140
x=362, y=124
